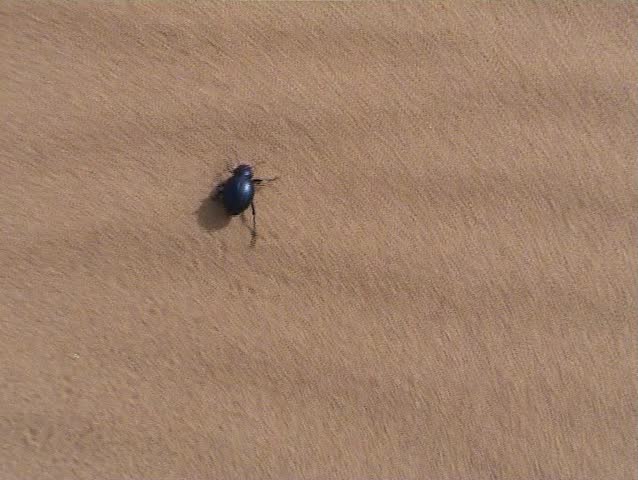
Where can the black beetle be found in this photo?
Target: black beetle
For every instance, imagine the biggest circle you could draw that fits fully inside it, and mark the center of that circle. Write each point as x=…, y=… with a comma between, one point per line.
x=237, y=192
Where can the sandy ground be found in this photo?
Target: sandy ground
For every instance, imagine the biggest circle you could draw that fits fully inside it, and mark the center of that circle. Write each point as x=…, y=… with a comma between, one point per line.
x=444, y=286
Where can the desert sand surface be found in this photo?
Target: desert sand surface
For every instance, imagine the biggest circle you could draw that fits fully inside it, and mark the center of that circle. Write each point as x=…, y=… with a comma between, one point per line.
x=444, y=283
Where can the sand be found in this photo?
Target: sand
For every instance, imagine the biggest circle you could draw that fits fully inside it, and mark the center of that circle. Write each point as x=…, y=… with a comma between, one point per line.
x=444, y=285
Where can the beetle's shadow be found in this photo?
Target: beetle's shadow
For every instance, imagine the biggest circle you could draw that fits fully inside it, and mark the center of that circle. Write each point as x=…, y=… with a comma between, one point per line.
x=211, y=215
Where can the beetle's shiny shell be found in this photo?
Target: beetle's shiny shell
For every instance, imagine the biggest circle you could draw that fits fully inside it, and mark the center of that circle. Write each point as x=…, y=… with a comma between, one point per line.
x=238, y=194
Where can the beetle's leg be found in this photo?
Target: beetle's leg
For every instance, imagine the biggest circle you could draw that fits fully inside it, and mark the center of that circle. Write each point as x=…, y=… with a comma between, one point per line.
x=259, y=181
x=252, y=206
x=217, y=193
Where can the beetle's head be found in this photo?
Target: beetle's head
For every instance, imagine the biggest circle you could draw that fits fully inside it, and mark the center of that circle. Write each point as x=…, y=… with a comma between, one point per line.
x=243, y=170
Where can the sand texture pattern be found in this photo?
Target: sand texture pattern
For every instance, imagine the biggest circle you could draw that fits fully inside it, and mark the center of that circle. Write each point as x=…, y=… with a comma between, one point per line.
x=444, y=286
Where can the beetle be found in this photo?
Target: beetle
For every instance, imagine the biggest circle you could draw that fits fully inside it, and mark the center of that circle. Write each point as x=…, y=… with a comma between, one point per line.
x=237, y=192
